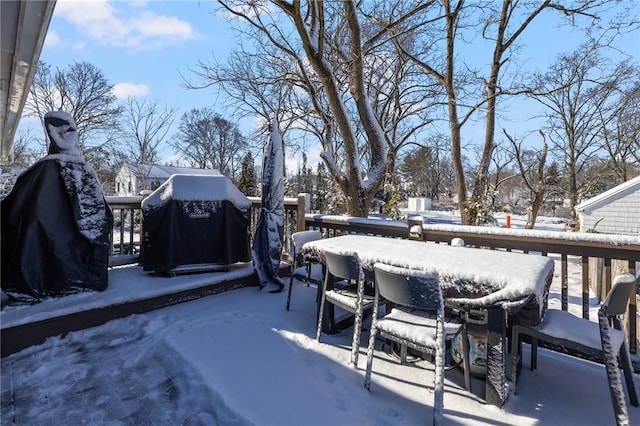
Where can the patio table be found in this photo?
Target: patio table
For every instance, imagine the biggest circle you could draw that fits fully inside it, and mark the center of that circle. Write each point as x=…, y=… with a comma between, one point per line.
x=507, y=284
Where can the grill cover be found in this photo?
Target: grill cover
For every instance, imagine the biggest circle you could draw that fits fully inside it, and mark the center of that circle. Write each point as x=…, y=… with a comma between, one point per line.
x=55, y=221
x=195, y=223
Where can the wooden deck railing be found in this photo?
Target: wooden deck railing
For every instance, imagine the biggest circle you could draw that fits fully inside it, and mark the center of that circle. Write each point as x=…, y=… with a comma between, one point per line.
x=294, y=207
x=616, y=253
x=127, y=228
x=127, y=218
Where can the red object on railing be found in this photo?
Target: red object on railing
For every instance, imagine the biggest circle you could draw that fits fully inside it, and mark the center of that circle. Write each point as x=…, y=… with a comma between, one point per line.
x=508, y=221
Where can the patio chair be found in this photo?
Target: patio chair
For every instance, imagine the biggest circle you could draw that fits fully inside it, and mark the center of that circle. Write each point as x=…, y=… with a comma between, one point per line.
x=591, y=339
x=417, y=321
x=303, y=269
x=343, y=286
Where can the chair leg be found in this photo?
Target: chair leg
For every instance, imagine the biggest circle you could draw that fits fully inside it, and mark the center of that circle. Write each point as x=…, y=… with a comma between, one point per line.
x=534, y=352
x=613, y=371
x=438, y=379
x=627, y=368
x=372, y=343
x=357, y=325
x=321, y=312
x=308, y=274
x=625, y=360
x=290, y=287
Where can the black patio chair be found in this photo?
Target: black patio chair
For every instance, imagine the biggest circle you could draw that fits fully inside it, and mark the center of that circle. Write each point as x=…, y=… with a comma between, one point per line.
x=343, y=286
x=417, y=321
x=303, y=269
x=594, y=340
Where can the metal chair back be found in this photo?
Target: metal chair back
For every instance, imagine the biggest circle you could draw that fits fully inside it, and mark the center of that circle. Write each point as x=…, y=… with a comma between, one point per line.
x=300, y=238
x=419, y=290
x=345, y=266
x=617, y=299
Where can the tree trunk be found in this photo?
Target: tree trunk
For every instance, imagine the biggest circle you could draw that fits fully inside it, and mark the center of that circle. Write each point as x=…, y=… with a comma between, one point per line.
x=535, y=208
x=358, y=203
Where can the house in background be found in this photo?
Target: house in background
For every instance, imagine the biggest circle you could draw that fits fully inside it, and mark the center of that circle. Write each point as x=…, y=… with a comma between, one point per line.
x=616, y=211
x=134, y=178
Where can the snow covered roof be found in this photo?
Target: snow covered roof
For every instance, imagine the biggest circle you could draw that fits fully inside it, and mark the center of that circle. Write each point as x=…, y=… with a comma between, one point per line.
x=628, y=187
x=196, y=188
x=164, y=172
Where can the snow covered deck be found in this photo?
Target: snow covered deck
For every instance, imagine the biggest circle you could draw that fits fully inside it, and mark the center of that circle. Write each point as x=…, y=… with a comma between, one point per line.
x=130, y=291
x=240, y=358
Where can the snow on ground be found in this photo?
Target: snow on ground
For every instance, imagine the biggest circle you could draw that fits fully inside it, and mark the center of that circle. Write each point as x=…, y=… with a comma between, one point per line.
x=240, y=358
x=544, y=223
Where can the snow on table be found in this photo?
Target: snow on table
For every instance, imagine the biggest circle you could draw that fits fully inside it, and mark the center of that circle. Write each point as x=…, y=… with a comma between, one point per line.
x=475, y=277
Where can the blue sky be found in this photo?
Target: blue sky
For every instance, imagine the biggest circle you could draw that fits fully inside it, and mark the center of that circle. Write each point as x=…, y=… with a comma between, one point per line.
x=143, y=46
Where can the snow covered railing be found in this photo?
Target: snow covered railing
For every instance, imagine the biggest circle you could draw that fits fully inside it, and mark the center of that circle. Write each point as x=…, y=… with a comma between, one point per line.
x=127, y=228
x=624, y=250
x=294, y=207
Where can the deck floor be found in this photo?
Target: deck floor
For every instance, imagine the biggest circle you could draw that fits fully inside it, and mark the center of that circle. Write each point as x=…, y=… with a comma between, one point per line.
x=130, y=291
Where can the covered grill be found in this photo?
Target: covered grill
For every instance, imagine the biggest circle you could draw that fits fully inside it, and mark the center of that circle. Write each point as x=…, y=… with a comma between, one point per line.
x=195, y=223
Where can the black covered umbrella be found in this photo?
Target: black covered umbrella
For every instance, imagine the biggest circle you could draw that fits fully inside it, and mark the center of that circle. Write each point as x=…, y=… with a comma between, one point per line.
x=267, y=243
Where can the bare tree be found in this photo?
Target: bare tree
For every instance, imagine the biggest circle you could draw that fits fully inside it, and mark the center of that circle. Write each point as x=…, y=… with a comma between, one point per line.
x=425, y=169
x=579, y=95
x=468, y=90
x=83, y=91
x=251, y=84
x=531, y=165
x=207, y=140
x=144, y=127
x=499, y=174
x=345, y=86
x=24, y=153
x=621, y=131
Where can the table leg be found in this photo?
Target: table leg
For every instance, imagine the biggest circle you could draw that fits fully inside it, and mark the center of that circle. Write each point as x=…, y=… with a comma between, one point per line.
x=329, y=324
x=327, y=315
x=496, y=390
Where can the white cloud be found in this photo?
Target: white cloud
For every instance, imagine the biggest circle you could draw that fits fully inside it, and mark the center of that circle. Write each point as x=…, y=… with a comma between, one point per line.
x=123, y=24
x=126, y=90
x=55, y=40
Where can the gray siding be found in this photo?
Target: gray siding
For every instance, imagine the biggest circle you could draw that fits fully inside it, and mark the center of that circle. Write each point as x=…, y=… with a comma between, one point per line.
x=621, y=215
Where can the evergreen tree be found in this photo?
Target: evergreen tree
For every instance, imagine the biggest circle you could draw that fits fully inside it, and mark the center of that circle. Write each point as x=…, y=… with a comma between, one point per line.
x=321, y=194
x=553, y=183
x=248, y=184
x=290, y=187
x=306, y=178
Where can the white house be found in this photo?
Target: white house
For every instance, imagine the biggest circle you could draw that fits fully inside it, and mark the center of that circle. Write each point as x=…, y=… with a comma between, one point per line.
x=419, y=204
x=616, y=211
x=133, y=178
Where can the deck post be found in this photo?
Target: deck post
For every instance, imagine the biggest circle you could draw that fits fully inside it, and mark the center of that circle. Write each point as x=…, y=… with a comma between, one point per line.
x=303, y=199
